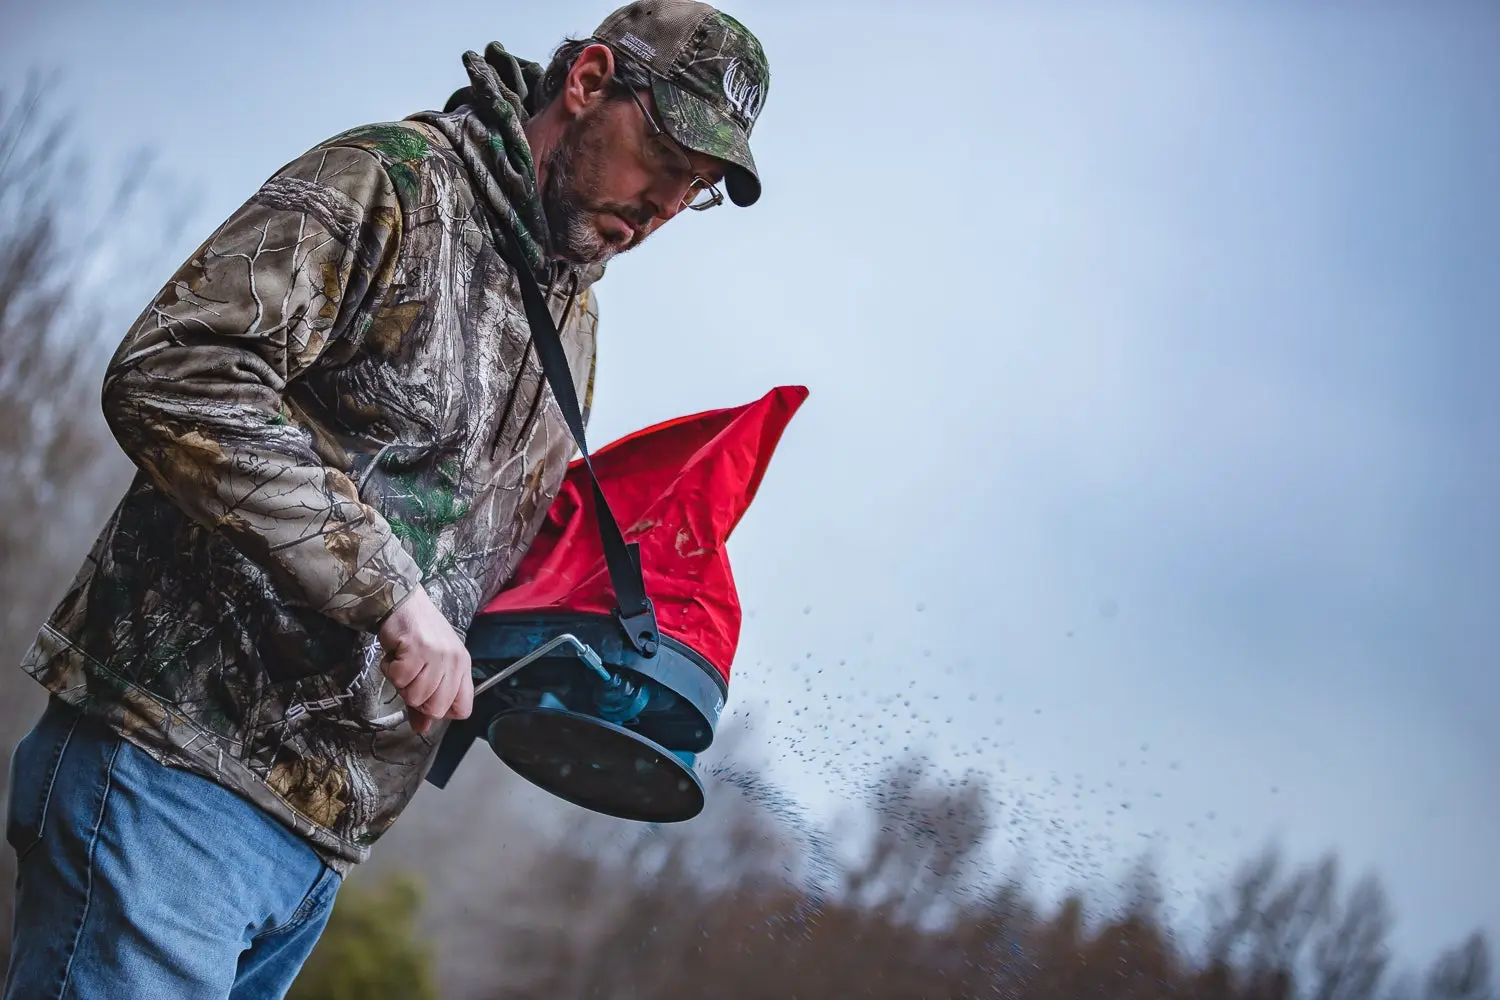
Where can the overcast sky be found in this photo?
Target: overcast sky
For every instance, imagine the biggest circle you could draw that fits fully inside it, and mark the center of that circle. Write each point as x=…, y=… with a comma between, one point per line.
x=1153, y=449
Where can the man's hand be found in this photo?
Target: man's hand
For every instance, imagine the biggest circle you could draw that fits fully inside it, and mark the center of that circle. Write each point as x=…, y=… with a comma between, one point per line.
x=427, y=662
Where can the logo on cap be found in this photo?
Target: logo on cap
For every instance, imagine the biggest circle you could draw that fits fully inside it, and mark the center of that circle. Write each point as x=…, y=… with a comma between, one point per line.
x=637, y=45
x=743, y=92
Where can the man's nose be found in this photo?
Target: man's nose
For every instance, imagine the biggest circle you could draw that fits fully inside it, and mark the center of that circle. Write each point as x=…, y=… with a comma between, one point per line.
x=668, y=207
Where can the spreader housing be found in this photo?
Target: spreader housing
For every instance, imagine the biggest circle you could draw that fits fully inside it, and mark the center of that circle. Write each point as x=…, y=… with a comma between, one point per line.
x=624, y=746
x=565, y=694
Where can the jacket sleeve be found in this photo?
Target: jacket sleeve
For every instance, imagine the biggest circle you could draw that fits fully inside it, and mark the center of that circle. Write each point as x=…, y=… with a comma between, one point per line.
x=194, y=393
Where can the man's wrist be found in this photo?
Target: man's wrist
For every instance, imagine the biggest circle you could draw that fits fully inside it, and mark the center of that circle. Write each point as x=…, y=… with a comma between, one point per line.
x=380, y=624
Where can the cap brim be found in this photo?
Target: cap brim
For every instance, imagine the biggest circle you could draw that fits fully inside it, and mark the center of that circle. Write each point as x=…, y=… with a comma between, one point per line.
x=695, y=124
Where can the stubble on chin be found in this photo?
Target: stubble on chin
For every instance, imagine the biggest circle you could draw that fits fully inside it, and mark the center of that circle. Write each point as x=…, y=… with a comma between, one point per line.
x=572, y=234
x=571, y=213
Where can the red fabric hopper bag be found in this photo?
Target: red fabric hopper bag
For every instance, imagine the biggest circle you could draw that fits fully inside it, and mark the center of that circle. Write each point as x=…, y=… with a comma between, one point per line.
x=678, y=489
x=564, y=694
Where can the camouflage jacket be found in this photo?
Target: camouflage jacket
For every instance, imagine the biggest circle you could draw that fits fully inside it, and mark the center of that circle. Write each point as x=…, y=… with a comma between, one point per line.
x=334, y=401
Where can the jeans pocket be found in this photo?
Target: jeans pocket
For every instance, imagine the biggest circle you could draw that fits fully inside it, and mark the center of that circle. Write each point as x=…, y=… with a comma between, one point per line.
x=33, y=771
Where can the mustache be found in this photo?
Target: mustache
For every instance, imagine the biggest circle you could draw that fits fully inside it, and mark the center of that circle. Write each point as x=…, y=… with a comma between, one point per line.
x=639, y=216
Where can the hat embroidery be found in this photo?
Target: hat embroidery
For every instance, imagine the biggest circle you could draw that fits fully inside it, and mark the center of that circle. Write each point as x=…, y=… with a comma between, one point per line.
x=638, y=46
x=742, y=91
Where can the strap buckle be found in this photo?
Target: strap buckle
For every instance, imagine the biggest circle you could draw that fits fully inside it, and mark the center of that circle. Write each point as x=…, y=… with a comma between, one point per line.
x=640, y=628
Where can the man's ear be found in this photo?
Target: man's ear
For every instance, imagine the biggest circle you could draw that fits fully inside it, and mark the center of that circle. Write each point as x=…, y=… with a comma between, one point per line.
x=587, y=80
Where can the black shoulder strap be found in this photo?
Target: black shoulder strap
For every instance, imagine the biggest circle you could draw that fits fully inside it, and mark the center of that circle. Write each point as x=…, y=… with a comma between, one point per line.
x=634, y=610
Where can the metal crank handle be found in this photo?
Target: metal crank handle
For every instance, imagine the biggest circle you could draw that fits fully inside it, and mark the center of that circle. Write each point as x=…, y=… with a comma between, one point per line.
x=586, y=654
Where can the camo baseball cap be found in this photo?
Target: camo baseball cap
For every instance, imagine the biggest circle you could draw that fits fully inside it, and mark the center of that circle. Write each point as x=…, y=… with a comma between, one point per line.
x=709, y=77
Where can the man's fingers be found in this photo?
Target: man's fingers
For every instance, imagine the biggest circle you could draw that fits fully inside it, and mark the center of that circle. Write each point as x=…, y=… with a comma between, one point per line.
x=423, y=687
x=420, y=721
x=463, y=685
x=429, y=665
x=441, y=698
x=455, y=678
x=403, y=667
x=463, y=702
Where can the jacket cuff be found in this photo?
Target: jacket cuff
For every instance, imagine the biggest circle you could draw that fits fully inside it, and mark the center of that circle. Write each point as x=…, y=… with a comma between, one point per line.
x=377, y=587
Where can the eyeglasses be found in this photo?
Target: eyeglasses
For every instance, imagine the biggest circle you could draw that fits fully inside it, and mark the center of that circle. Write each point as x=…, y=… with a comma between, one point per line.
x=701, y=194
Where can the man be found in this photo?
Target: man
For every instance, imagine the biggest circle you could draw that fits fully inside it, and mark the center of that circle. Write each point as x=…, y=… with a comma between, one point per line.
x=345, y=445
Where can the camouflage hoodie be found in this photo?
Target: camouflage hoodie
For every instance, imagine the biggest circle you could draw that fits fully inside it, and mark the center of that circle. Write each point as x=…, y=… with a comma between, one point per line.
x=334, y=401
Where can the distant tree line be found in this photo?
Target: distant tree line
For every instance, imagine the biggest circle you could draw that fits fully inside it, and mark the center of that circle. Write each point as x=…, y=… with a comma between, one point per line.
x=735, y=906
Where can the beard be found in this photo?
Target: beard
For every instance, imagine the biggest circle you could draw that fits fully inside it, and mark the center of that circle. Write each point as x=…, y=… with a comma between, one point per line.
x=574, y=168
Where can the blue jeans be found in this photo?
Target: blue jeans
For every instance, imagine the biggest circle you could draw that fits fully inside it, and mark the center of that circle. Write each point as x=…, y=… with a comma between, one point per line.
x=142, y=881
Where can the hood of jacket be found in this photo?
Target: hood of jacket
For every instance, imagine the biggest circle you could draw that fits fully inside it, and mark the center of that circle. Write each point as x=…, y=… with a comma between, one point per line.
x=485, y=123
